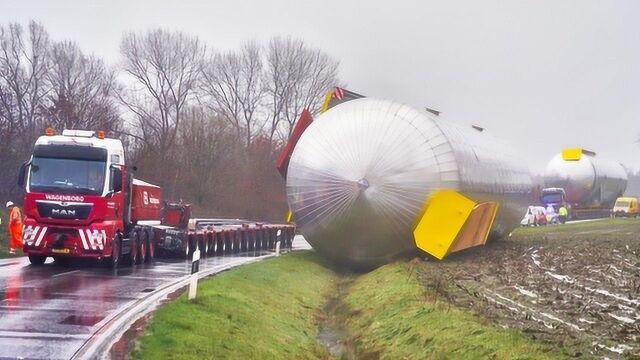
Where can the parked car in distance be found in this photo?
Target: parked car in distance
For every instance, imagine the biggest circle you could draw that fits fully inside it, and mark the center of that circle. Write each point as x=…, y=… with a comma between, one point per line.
x=625, y=207
x=535, y=216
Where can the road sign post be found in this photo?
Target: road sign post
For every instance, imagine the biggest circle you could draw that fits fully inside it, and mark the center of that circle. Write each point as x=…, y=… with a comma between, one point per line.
x=195, y=267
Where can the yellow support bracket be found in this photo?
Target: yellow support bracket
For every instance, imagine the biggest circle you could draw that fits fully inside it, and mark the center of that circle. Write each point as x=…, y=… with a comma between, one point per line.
x=571, y=154
x=452, y=222
x=327, y=101
x=289, y=217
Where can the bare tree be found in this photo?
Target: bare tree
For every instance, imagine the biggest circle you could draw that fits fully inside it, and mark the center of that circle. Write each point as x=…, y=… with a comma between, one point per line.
x=23, y=87
x=204, y=142
x=297, y=77
x=23, y=67
x=232, y=83
x=165, y=67
x=82, y=90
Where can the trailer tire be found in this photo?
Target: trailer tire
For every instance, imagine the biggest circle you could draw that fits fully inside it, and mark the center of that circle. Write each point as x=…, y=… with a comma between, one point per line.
x=190, y=247
x=202, y=244
x=244, y=245
x=231, y=237
x=226, y=247
x=251, y=239
x=237, y=242
x=211, y=244
x=142, y=246
x=271, y=241
x=219, y=240
x=37, y=260
x=151, y=246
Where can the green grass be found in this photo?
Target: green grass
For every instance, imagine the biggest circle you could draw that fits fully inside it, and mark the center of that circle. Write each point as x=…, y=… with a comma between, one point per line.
x=392, y=316
x=619, y=228
x=264, y=310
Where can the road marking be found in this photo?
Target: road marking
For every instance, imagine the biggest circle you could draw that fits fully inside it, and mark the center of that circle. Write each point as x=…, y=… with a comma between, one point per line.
x=35, y=335
x=65, y=273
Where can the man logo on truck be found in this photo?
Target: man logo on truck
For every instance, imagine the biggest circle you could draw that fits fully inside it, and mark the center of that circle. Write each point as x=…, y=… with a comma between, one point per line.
x=63, y=212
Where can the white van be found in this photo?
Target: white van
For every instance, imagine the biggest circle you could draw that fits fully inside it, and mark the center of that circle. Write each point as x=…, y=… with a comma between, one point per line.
x=529, y=218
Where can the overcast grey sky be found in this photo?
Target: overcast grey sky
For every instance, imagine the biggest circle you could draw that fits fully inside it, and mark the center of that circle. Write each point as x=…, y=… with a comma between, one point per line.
x=544, y=74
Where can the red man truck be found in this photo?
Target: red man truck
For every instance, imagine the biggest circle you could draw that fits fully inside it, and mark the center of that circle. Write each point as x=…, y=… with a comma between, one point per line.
x=81, y=201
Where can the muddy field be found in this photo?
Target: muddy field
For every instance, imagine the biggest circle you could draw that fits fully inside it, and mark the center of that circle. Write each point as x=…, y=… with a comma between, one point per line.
x=573, y=286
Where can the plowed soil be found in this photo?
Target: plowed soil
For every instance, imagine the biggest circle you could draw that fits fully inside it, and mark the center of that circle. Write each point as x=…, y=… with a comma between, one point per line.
x=574, y=286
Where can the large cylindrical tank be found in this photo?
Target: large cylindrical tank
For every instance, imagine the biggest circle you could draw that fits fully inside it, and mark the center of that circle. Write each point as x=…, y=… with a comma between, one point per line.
x=360, y=174
x=586, y=178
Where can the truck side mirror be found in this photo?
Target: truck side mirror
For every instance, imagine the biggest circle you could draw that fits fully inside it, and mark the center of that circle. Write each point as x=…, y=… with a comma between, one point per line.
x=22, y=175
x=116, y=179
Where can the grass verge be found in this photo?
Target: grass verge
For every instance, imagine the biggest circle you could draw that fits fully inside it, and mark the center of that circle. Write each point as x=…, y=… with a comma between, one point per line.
x=598, y=230
x=264, y=310
x=392, y=316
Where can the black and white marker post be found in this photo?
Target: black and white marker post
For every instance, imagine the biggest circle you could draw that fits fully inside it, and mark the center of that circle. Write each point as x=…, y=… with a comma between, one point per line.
x=195, y=267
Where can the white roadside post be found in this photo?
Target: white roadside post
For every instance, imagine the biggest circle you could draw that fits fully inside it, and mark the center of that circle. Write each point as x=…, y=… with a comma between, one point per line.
x=278, y=242
x=195, y=267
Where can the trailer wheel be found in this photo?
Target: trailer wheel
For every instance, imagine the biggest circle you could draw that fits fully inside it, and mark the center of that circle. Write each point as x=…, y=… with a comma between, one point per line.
x=211, y=244
x=116, y=252
x=250, y=240
x=271, y=242
x=228, y=243
x=37, y=260
x=143, y=241
x=244, y=246
x=202, y=244
x=188, y=247
x=151, y=246
x=220, y=243
x=237, y=242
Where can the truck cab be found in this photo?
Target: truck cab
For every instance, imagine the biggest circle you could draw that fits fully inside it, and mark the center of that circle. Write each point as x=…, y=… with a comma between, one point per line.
x=74, y=202
x=555, y=197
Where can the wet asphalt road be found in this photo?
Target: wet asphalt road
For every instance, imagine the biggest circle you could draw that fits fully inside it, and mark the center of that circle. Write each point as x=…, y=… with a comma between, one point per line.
x=50, y=312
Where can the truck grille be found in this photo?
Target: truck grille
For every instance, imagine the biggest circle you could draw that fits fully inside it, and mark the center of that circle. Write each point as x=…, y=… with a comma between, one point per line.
x=58, y=210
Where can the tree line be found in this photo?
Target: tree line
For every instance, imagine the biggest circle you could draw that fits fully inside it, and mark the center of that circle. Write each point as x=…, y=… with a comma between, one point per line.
x=206, y=125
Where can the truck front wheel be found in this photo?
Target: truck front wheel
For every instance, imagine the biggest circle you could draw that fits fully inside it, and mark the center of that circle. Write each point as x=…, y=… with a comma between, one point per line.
x=37, y=260
x=134, y=254
x=116, y=253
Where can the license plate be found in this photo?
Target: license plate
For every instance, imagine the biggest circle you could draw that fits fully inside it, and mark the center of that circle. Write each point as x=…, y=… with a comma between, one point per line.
x=60, y=251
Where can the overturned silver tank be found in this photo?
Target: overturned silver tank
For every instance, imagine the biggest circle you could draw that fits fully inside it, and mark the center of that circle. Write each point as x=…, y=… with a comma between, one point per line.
x=359, y=176
x=586, y=178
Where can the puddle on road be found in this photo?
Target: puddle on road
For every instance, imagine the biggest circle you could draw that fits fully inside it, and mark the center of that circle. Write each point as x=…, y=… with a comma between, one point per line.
x=331, y=331
x=83, y=320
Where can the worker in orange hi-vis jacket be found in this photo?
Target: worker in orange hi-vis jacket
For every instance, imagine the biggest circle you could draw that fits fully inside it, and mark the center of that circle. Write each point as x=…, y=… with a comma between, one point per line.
x=15, y=227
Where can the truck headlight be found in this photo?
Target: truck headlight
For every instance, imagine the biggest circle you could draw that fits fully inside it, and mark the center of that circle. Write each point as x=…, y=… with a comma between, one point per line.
x=28, y=236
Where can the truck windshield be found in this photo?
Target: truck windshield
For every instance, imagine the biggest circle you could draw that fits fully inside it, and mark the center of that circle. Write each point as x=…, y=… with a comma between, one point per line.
x=68, y=170
x=552, y=198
